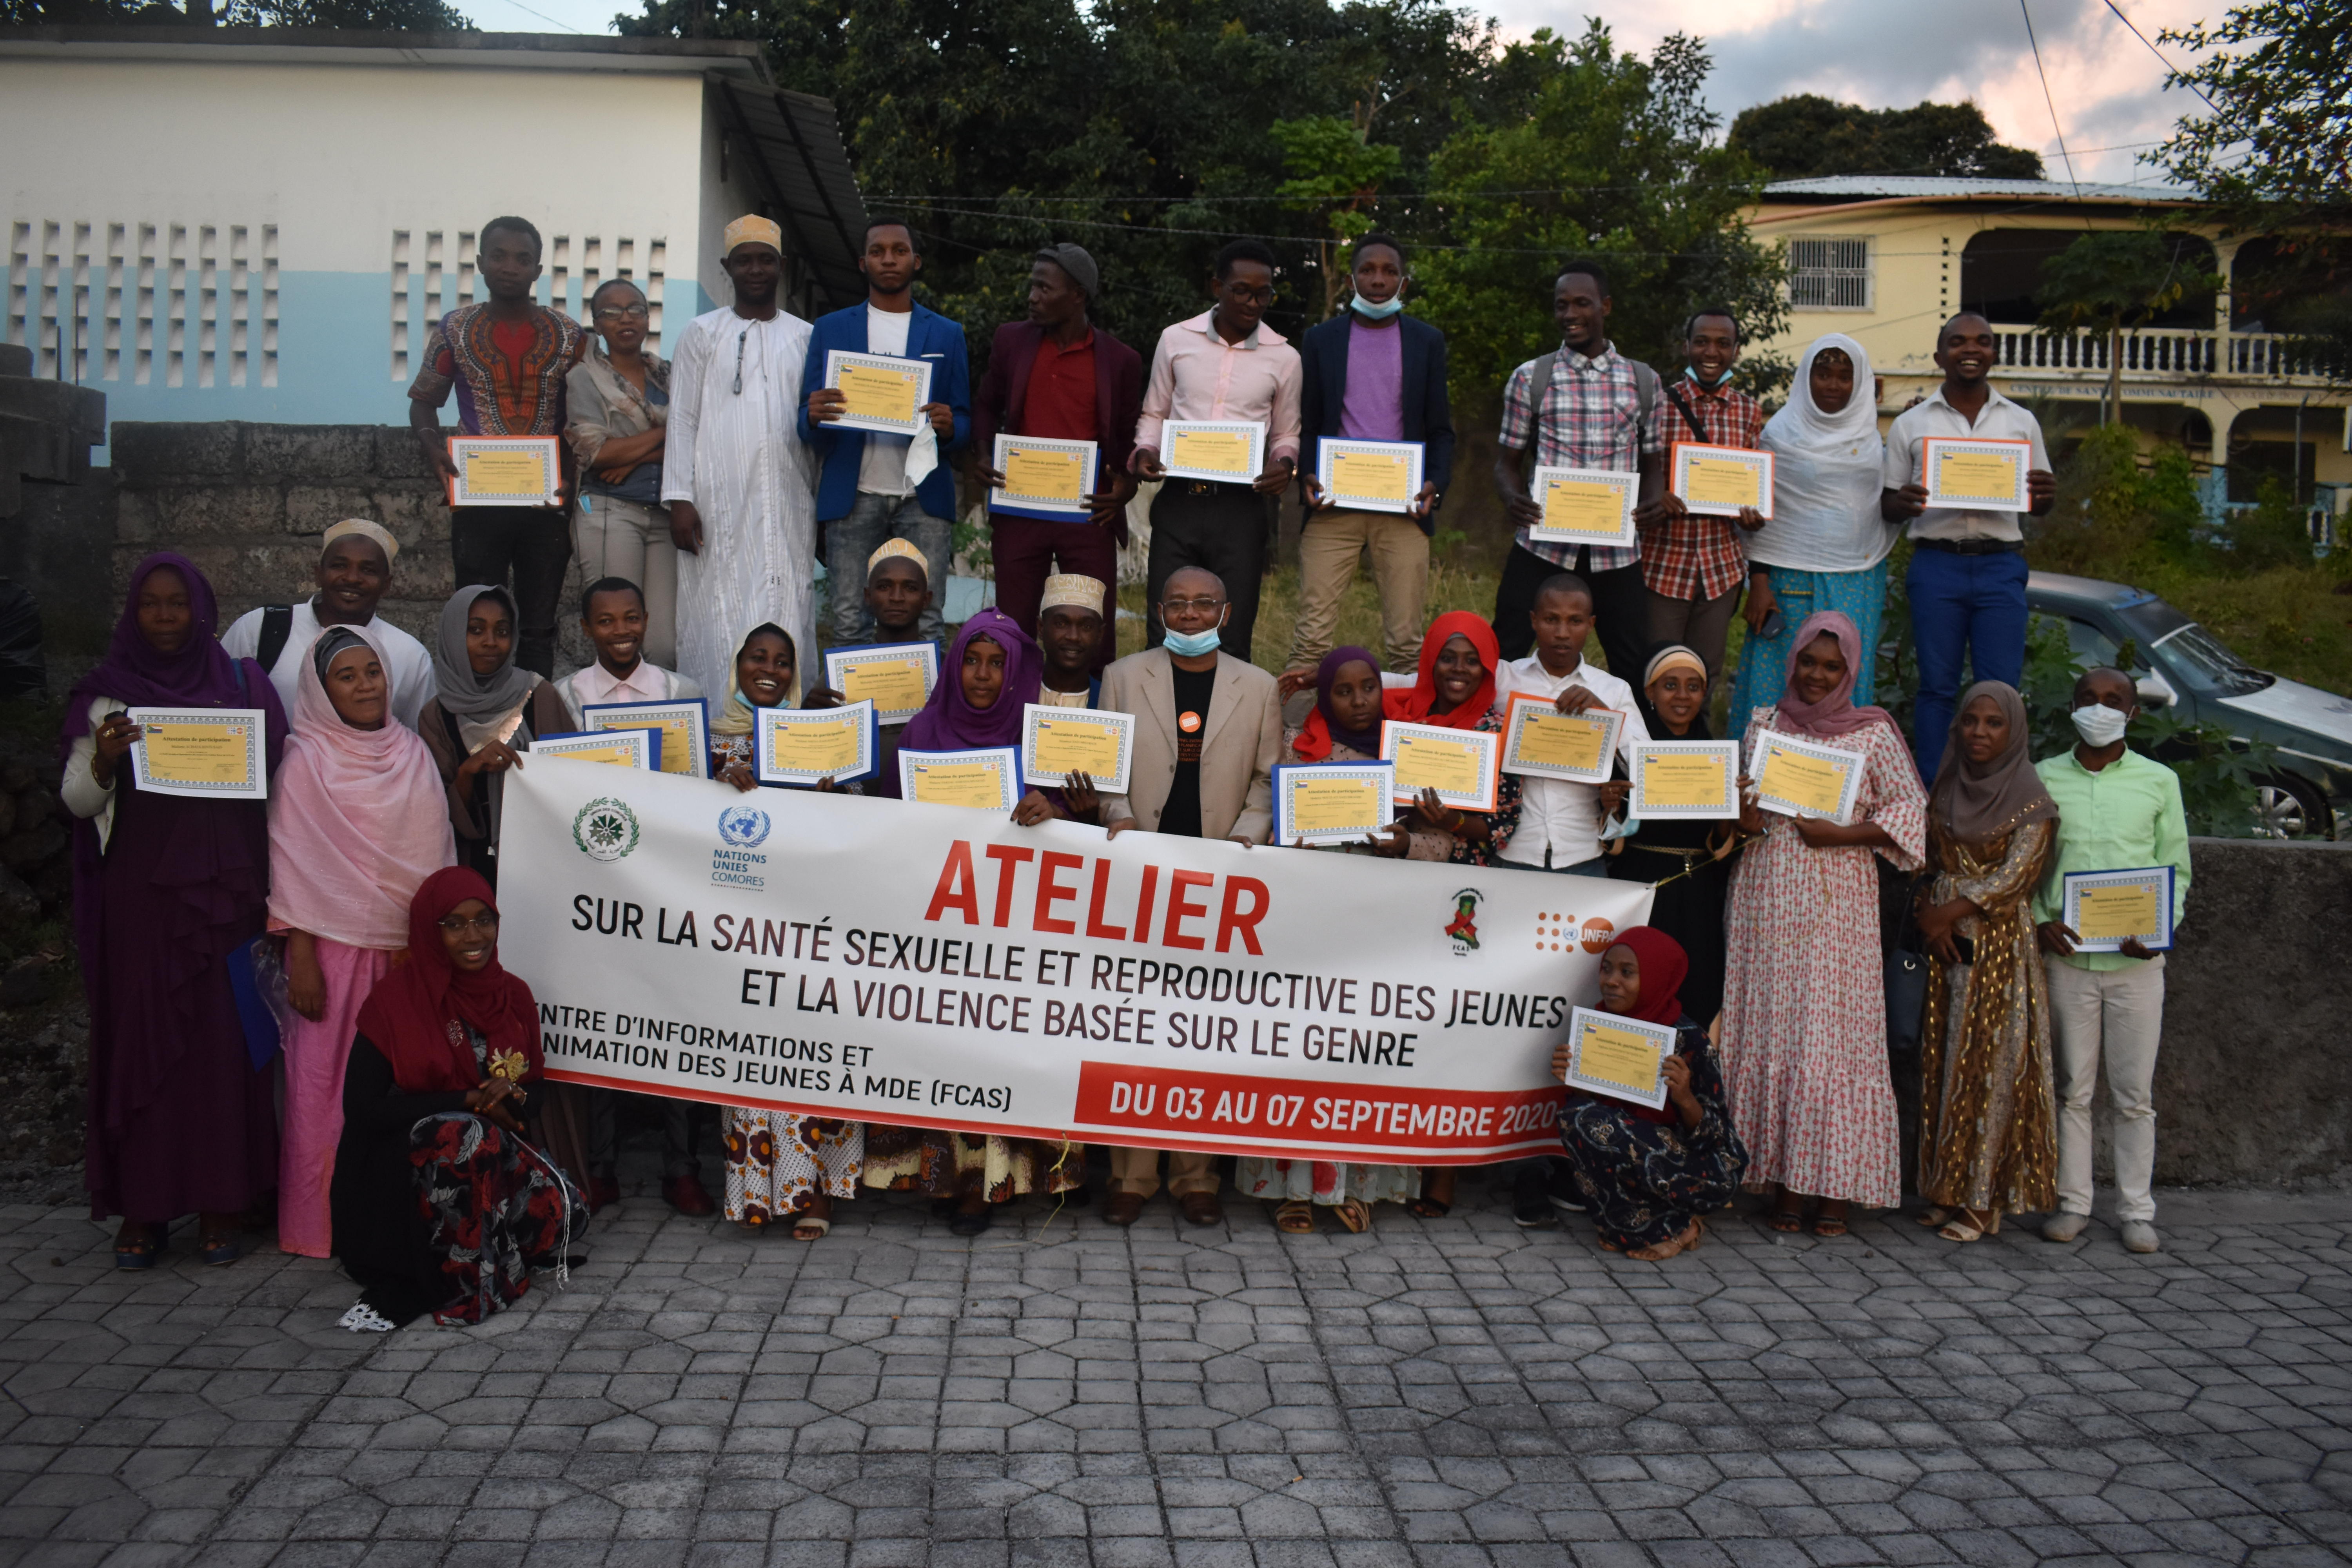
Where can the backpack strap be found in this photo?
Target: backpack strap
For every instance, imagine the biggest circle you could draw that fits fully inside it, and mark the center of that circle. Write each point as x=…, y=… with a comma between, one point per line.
x=1674, y=395
x=1645, y=387
x=276, y=625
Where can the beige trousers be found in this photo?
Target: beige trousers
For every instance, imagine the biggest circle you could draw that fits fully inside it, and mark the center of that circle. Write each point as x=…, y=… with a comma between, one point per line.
x=1328, y=549
x=1137, y=1170
x=2112, y=1017
x=615, y=538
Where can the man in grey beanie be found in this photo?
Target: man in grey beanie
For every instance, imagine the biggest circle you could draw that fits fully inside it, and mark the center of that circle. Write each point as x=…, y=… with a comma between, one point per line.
x=1057, y=376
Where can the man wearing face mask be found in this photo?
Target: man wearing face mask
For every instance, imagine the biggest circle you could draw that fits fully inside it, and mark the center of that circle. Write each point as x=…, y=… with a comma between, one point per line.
x=2116, y=811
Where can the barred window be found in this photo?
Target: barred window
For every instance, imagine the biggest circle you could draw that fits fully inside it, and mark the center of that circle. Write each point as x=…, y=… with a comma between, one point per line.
x=1829, y=274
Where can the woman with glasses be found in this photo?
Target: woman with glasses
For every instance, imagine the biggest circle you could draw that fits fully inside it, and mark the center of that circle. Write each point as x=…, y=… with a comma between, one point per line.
x=619, y=418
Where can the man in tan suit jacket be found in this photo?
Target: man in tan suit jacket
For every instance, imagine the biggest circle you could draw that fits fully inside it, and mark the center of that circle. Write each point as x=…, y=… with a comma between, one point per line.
x=1208, y=732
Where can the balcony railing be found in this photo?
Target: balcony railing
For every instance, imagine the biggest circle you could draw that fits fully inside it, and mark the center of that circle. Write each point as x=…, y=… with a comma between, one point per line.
x=2157, y=354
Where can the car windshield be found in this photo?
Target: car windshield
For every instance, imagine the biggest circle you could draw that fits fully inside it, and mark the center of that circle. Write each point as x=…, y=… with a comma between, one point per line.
x=2209, y=665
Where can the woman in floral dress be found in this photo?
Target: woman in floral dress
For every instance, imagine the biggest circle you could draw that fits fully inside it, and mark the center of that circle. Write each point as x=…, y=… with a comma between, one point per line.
x=1804, y=1008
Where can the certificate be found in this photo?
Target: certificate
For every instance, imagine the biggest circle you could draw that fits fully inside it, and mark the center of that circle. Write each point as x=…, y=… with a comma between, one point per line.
x=684, y=735
x=808, y=745
x=1461, y=765
x=2103, y=908
x=1232, y=450
x=1691, y=779
x=640, y=749
x=1332, y=802
x=1717, y=481
x=1541, y=742
x=1058, y=742
x=1975, y=474
x=989, y=780
x=881, y=392
x=1800, y=777
x=1369, y=476
x=895, y=676
x=1623, y=1059
x=207, y=753
x=1043, y=478
x=504, y=470
x=1585, y=506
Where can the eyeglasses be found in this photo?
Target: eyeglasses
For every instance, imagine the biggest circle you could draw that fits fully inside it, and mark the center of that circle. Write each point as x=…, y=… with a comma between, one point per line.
x=484, y=924
x=1178, y=606
x=638, y=312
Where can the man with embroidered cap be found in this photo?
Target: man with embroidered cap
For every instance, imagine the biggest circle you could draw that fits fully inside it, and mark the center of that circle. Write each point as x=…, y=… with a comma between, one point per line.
x=507, y=359
x=1058, y=376
x=735, y=474
x=353, y=572
x=1070, y=628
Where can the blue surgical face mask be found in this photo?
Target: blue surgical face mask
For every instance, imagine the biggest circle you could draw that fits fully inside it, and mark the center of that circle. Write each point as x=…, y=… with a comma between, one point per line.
x=1193, y=644
x=1690, y=373
x=1380, y=313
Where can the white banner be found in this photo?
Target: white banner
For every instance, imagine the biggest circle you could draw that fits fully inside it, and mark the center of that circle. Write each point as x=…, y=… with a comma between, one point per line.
x=937, y=966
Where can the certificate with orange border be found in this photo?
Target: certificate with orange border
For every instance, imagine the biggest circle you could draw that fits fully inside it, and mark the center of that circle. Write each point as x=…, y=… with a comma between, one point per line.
x=1463, y=766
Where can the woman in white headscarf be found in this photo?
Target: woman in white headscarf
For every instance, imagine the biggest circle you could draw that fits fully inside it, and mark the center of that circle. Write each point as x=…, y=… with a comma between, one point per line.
x=1827, y=547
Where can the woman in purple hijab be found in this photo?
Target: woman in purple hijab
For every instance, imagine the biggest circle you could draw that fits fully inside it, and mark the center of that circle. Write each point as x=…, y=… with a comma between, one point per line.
x=165, y=888
x=993, y=671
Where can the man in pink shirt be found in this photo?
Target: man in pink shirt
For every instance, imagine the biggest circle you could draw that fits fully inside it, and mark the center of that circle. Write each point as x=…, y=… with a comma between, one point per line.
x=1223, y=364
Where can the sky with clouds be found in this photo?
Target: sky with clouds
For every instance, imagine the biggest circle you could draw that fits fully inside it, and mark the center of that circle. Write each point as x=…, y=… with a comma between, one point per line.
x=2106, y=85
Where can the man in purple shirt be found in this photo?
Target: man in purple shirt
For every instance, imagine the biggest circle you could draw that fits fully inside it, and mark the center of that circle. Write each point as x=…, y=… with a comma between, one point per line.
x=1371, y=373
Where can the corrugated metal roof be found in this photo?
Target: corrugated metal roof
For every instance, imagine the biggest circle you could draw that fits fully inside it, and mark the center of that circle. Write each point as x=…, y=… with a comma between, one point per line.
x=1832, y=187
x=804, y=172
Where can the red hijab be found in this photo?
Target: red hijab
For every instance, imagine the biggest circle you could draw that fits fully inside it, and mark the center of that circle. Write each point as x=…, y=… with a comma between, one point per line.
x=1413, y=707
x=415, y=1014
x=1663, y=966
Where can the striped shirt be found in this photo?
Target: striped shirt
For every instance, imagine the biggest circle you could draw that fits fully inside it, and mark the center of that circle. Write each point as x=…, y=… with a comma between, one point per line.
x=1590, y=417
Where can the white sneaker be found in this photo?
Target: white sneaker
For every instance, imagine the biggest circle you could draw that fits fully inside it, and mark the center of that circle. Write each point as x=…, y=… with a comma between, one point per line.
x=364, y=1319
x=2064, y=1226
x=2140, y=1235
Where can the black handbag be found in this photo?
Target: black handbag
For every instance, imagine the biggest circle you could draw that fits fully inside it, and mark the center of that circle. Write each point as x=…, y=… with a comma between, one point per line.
x=1907, y=985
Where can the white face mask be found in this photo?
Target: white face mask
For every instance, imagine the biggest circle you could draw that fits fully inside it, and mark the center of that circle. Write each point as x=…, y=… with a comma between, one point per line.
x=2100, y=725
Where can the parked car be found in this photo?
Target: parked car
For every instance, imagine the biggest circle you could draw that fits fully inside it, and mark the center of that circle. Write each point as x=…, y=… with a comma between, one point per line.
x=2185, y=668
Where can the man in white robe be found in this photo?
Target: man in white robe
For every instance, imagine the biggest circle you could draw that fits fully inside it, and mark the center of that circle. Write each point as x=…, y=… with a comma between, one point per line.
x=734, y=472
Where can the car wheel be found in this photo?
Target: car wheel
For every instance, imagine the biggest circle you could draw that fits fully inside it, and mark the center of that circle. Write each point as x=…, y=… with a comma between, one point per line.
x=2287, y=807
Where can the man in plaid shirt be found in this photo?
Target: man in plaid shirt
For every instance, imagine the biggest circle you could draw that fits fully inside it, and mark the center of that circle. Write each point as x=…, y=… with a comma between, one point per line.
x=1692, y=565
x=1595, y=409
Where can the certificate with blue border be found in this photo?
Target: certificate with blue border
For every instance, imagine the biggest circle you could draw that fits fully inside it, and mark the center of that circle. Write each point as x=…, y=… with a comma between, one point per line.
x=1037, y=471
x=2104, y=909
x=809, y=745
x=895, y=676
x=885, y=393
x=1332, y=802
x=1058, y=742
x=1623, y=1059
x=639, y=748
x=684, y=725
x=988, y=779
x=204, y=754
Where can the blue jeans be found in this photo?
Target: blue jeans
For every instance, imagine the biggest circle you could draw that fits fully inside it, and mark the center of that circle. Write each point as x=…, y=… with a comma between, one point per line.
x=851, y=537
x=1965, y=610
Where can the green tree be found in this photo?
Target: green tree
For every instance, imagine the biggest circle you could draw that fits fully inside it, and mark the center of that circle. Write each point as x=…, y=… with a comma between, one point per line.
x=2116, y=278
x=1806, y=135
x=372, y=15
x=1335, y=171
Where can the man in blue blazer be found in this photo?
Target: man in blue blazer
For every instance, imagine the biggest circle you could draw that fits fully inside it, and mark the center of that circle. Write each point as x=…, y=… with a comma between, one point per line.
x=873, y=487
x=1371, y=373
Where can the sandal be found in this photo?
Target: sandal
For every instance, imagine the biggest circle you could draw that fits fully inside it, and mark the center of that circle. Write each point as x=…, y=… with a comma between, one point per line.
x=1295, y=1217
x=139, y=1251
x=811, y=1227
x=1788, y=1222
x=1936, y=1216
x=1428, y=1208
x=1353, y=1214
x=1829, y=1225
x=1671, y=1247
x=1968, y=1226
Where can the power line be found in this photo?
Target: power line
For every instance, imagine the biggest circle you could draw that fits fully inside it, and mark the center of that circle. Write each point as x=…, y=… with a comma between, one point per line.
x=2186, y=80
x=2046, y=97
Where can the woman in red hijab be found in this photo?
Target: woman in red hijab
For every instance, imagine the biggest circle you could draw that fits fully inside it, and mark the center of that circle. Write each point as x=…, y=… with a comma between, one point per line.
x=1456, y=690
x=440, y=1205
x=1649, y=1176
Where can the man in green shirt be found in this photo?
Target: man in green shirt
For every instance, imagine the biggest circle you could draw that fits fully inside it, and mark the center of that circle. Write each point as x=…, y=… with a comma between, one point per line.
x=2117, y=811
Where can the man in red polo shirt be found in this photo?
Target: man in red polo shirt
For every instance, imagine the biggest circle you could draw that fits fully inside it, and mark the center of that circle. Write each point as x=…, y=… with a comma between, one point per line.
x=1058, y=376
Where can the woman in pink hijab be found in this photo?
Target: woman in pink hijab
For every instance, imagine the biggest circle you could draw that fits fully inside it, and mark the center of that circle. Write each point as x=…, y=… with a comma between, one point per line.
x=357, y=821
x=1804, y=1000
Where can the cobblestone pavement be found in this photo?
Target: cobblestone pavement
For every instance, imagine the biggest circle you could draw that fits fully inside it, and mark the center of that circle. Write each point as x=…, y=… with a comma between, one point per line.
x=1447, y=1395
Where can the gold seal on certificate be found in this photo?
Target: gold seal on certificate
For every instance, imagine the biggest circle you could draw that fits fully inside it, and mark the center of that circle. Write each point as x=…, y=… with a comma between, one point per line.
x=1044, y=476
x=1368, y=475
x=1584, y=506
x=1976, y=474
x=1624, y=1058
x=2106, y=909
x=881, y=392
x=1058, y=742
x=1332, y=802
x=809, y=745
x=1462, y=765
x=1717, y=481
x=1232, y=450
x=205, y=753
x=685, y=743
x=989, y=780
x=1800, y=777
x=504, y=470
x=895, y=676
x=1692, y=779
x=1541, y=742
x=639, y=748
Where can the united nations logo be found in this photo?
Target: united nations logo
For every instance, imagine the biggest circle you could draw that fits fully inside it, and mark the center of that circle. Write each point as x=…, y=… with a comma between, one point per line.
x=605, y=828
x=744, y=827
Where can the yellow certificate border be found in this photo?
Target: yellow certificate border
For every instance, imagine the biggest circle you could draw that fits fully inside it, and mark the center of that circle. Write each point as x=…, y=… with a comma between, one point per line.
x=696, y=711
x=547, y=446
x=1107, y=718
x=1006, y=758
x=1929, y=445
x=1252, y=428
x=836, y=358
x=2069, y=901
x=1753, y=456
x=1627, y=484
x=1381, y=774
x=1577, y=1020
x=772, y=718
x=1392, y=730
x=1086, y=450
x=1729, y=750
x=1330, y=446
x=837, y=661
x=1858, y=763
x=1515, y=723
x=255, y=785
x=647, y=743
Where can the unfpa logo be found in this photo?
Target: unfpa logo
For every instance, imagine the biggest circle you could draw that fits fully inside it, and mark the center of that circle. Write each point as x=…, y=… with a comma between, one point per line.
x=1555, y=931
